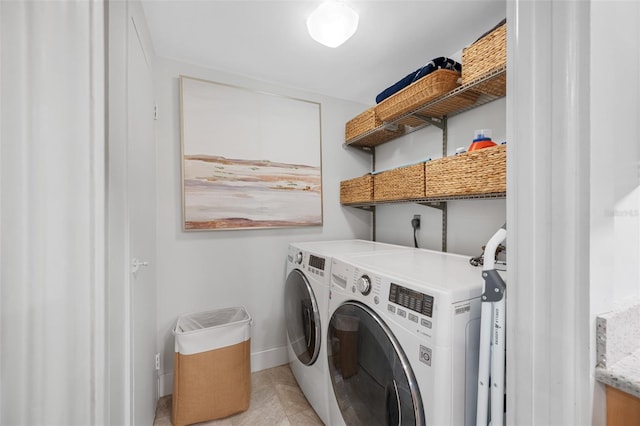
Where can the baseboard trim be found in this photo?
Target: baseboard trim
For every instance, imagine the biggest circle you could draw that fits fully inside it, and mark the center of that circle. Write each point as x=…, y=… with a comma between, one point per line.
x=269, y=358
x=259, y=361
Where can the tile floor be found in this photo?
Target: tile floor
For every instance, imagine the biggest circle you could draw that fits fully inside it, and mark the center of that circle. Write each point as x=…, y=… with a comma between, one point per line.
x=287, y=406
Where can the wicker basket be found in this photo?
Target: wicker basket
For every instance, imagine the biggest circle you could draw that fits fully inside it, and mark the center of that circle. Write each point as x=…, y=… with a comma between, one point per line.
x=473, y=173
x=378, y=137
x=496, y=86
x=416, y=94
x=358, y=190
x=360, y=124
x=399, y=184
x=450, y=104
x=485, y=55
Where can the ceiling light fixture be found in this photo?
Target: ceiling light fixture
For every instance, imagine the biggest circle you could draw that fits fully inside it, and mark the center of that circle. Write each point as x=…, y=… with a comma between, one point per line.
x=332, y=23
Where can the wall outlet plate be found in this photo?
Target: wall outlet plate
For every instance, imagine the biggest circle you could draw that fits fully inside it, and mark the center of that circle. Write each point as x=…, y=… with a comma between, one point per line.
x=415, y=222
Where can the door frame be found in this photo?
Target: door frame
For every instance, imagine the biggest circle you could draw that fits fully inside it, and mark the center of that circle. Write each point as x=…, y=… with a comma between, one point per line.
x=119, y=14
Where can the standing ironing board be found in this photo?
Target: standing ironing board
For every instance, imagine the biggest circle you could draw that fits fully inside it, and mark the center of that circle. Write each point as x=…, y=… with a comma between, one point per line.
x=491, y=368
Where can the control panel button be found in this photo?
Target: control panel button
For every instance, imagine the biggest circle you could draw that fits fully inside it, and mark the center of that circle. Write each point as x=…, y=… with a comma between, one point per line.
x=425, y=323
x=391, y=309
x=413, y=318
x=402, y=313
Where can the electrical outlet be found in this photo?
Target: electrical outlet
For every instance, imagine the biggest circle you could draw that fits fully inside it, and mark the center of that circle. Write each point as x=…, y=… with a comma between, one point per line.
x=158, y=361
x=415, y=222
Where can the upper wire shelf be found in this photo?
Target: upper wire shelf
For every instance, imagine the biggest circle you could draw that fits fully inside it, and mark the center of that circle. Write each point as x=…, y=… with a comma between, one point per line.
x=487, y=88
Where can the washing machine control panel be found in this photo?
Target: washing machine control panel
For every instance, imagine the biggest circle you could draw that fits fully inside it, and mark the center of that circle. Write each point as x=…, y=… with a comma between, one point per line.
x=317, y=262
x=314, y=265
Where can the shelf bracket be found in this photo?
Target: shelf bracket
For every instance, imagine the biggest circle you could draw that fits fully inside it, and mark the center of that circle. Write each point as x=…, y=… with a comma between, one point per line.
x=439, y=123
x=445, y=137
x=366, y=208
x=442, y=206
x=363, y=148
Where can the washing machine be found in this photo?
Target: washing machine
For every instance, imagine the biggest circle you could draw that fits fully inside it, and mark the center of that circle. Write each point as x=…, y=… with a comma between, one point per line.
x=306, y=305
x=403, y=339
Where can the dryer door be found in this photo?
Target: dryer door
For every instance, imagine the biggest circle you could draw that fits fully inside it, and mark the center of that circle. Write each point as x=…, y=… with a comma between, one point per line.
x=372, y=380
x=303, y=317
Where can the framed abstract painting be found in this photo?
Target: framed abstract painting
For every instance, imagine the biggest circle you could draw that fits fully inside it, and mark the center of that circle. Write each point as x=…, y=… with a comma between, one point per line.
x=249, y=159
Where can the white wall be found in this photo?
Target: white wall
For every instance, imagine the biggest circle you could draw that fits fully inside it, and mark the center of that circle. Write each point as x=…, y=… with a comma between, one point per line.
x=470, y=223
x=208, y=270
x=615, y=164
x=615, y=153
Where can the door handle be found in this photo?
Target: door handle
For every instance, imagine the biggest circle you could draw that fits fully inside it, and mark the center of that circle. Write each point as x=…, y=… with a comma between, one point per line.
x=136, y=264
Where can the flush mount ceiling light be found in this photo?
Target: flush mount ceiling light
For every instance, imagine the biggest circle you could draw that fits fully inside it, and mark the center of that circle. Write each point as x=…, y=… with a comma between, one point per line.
x=332, y=23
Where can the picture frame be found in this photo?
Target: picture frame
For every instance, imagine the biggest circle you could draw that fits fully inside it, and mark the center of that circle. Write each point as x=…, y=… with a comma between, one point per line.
x=250, y=159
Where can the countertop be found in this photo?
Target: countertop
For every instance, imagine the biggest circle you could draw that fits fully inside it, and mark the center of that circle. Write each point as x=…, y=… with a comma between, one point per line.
x=618, y=349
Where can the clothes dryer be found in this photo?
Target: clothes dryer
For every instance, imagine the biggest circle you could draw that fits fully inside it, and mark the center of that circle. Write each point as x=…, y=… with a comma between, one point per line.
x=403, y=339
x=306, y=304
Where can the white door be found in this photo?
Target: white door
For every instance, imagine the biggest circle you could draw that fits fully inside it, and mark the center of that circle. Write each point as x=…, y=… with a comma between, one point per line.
x=141, y=200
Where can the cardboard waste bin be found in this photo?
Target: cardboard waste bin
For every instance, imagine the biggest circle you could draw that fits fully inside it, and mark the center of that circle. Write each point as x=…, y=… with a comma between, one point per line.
x=212, y=365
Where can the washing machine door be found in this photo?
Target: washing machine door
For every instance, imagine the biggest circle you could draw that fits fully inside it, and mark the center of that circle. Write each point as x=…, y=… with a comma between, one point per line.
x=303, y=317
x=372, y=380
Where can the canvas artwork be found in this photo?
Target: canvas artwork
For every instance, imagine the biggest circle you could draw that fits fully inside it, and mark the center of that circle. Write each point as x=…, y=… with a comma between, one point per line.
x=249, y=159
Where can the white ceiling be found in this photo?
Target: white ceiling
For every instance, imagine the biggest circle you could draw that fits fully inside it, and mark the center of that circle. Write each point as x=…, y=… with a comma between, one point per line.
x=268, y=40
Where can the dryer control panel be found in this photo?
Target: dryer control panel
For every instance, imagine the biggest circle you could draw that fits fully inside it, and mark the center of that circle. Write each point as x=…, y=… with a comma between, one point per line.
x=314, y=265
x=411, y=299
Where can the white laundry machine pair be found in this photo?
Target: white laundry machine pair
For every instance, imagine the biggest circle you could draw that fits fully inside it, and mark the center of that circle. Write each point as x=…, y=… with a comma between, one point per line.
x=306, y=306
x=403, y=339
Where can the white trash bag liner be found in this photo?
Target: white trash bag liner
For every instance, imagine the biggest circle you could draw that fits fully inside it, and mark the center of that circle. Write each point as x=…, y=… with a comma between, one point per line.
x=204, y=331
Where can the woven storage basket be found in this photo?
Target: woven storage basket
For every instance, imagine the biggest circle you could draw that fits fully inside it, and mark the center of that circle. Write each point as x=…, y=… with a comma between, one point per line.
x=485, y=55
x=381, y=135
x=450, y=104
x=358, y=190
x=473, y=173
x=360, y=124
x=496, y=86
x=398, y=184
x=416, y=94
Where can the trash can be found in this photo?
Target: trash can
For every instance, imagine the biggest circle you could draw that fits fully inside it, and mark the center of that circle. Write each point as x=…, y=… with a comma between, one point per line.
x=212, y=365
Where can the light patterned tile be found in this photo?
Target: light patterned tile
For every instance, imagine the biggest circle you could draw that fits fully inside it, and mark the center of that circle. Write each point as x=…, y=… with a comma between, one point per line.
x=306, y=418
x=292, y=399
x=265, y=409
x=283, y=375
x=228, y=421
x=162, y=421
x=164, y=406
x=276, y=400
x=163, y=411
x=261, y=380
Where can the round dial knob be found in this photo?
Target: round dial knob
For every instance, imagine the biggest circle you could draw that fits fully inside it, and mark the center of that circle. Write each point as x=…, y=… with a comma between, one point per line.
x=364, y=285
x=298, y=258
